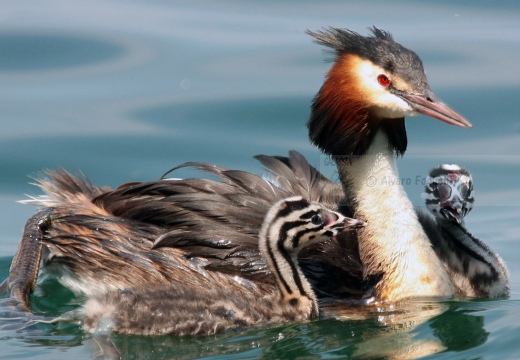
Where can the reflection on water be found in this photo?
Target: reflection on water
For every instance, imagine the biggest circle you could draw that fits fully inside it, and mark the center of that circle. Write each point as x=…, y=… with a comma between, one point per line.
x=460, y=328
x=396, y=324
x=455, y=326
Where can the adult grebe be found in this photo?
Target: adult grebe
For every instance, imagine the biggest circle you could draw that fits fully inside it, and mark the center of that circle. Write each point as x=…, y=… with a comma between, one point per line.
x=94, y=239
x=475, y=268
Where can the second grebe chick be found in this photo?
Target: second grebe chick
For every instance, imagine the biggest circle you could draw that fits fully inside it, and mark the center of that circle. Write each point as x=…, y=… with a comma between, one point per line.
x=290, y=225
x=474, y=267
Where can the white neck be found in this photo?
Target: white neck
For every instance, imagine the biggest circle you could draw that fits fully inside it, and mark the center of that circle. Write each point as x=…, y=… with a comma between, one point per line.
x=393, y=241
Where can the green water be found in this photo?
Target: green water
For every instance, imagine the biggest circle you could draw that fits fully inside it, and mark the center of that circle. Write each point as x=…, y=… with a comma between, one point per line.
x=126, y=90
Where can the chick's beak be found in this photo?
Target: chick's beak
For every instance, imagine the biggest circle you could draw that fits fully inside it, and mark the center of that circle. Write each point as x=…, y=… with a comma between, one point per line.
x=345, y=223
x=453, y=210
x=353, y=223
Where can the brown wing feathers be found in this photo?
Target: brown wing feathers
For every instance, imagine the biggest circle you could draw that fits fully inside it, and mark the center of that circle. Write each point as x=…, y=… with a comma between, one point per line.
x=214, y=221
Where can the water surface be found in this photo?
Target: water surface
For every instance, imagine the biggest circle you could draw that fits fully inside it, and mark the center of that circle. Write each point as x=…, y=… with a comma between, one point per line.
x=126, y=90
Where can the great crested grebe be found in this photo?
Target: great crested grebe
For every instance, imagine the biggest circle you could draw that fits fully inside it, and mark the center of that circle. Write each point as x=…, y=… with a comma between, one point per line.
x=358, y=117
x=475, y=268
x=204, y=232
x=290, y=225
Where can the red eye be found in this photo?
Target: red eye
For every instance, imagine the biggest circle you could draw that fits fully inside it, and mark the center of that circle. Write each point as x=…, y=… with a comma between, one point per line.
x=383, y=80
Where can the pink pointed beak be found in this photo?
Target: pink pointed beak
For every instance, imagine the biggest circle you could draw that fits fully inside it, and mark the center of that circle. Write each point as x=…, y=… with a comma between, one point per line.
x=342, y=223
x=432, y=106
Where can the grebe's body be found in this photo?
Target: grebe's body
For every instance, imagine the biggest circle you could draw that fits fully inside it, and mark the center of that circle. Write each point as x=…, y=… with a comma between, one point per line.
x=475, y=268
x=290, y=225
x=203, y=233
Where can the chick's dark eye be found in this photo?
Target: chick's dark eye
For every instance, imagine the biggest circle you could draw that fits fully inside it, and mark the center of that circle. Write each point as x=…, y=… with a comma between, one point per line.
x=444, y=191
x=316, y=220
x=463, y=190
x=383, y=80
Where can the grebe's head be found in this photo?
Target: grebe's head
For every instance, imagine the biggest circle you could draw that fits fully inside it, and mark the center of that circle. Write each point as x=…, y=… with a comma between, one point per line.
x=374, y=83
x=449, y=192
x=297, y=223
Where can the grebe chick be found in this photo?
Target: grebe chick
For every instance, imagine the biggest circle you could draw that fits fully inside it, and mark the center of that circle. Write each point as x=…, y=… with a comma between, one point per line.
x=474, y=267
x=152, y=232
x=290, y=225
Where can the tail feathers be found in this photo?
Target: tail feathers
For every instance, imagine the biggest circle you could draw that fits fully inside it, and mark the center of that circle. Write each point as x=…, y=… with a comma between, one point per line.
x=62, y=187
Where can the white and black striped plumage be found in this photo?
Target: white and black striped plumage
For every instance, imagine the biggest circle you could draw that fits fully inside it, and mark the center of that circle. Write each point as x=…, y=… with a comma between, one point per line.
x=290, y=225
x=474, y=267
